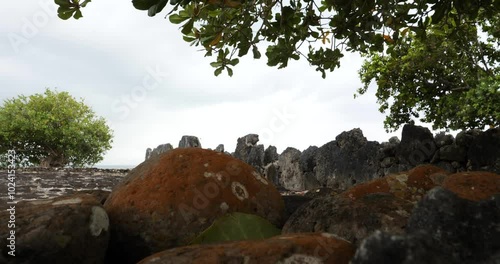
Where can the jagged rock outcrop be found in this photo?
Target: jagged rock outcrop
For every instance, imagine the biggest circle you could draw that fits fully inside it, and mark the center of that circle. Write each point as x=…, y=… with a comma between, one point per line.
x=220, y=148
x=290, y=174
x=248, y=151
x=189, y=142
x=417, y=146
x=163, y=148
x=347, y=160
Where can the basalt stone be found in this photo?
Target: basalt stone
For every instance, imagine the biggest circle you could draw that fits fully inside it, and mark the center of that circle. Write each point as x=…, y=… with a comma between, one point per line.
x=270, y=155
x=351, y=219
x=348, y=160
x=452, y=153
x=465, y=138
x=417, y=145
x=248, y=151
x=293, y=202
x=66, y=229
x=189, y=142
x=272, y=174
x=311, y=248
x=307, y=159
x=163, y=148
x=168, y=200
x=291, y=176
x=418, y=248
x=484, y=151
x=465, y=230
x=442, y=139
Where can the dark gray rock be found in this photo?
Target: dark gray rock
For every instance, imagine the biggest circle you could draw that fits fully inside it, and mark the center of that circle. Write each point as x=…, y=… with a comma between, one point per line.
x=271, y=173
x=220, y=148
x=351, y=219
x=163, y=148
x=293, y=202
x=466, y=231
x=270, y=155
x=249, y=152
x=310, y=181
x=381, y=247
x=442, y=139
x=291, y=176
x=417, y=145
x=465, y=138
x=484, y=151
x=307, y=159
x=446, y=166
x=189, y=142
x=354, y=160
x=452, y=153
x=388, y=162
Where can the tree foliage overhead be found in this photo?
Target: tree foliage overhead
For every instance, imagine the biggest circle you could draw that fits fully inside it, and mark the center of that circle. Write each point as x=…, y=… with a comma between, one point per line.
x=53, y=129
x=436, y=58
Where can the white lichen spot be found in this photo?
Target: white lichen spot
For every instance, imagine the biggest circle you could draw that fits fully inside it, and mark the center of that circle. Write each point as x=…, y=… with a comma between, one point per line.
x=206, y=165
x=98, y=221
x=239, y=191
x=259, y=177
x=224, y=206
x=301, y=258
x=208, y=174
x=68, y=201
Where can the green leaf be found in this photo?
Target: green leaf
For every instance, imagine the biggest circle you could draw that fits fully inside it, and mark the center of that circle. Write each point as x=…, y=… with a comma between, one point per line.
x=177, y=19
x=78, y=14
x=237, y=226
x=229, y=71
x=233, y=62
x=218, y=71
x=144, y=4
x=65, y=13
x=188, y=27
x=63, y=3
x=256, y=52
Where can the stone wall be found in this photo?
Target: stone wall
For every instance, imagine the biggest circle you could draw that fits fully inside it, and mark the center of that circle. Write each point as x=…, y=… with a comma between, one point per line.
x=351, y=158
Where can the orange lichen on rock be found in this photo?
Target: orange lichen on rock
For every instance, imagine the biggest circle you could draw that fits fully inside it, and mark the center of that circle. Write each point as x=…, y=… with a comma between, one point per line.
x=473, y=185
x=290, y=248
x=410, y=185
x=167, y=200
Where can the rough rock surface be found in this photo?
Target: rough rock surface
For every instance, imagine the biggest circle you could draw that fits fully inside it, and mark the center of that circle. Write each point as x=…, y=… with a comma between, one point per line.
x=347, y=160
x=381, y=247
x=189, y=142
x=290, y=174
x=417, y=145
x=411, y=185
x=473, y=185
x=293, y=202
x=484, y=151
x=316, y=248
x=248, y=151
x=351, y=219
x=220, y=148
x=166, y=201
x=466, y=231
x=442, y=139
x=163, y=148
x=270, y=155
x=67, y=229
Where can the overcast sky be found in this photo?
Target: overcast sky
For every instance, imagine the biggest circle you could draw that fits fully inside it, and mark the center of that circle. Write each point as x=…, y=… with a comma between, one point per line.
x=152, y=87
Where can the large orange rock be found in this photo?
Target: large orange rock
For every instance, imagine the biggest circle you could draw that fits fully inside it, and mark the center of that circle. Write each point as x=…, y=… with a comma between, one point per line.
x=473, y=185
x=168, y=200
x=410, y=185
x=311, y=248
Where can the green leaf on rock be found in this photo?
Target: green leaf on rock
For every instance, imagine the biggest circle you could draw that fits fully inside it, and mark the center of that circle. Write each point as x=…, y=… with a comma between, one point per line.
x=237, y=226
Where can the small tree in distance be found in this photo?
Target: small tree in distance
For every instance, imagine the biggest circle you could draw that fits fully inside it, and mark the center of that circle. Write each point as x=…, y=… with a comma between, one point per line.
x=53, y=130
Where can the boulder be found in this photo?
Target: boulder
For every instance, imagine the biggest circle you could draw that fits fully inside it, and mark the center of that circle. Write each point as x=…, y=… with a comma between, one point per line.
x=293, y=202
x=271, y=173
x=290, y=174
x=452, y=153
x=417, y=145
x=442, y=139
x=473, y=185
x=465, y=138
x=484, y=151
x=189, y=142
x=348, y=160
x=418, y=248
x=220, y=148
x=350, y=219
x=313, y=248
x=465, y=230
x=270, y=155
x=410, y=185
x=66, y=229
x=167, y=201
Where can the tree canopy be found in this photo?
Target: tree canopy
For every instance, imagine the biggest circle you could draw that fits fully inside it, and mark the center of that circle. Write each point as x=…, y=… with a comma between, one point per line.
x=437, y=58
x=53, y=130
